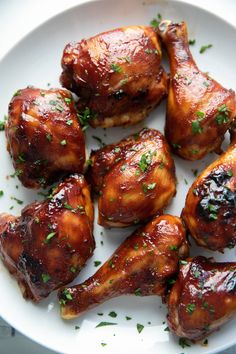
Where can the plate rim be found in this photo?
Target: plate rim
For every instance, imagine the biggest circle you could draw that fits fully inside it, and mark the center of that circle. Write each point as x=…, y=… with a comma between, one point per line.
x=54, y=18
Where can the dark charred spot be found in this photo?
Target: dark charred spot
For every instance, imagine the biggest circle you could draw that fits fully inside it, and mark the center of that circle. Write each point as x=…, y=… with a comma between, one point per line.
x=141, y=94
x=216, y=198
x=32, y=265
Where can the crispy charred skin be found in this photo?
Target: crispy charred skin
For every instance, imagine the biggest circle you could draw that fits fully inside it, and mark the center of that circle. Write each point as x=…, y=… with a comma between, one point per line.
x=44, y=137
x=135, y=178
x=202, y=299
x=142, y=265
x=47, y=246
x=199, y=109
x=210, y=207
x=117, y=74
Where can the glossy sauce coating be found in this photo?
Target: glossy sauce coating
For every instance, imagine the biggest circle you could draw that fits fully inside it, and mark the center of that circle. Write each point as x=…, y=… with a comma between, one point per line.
x=47, y=246
x=141, y=266
x=199, y=109
x=210, y=207
x=135, y=178
x=44, y=137
x=117, y=74
x=203, y=298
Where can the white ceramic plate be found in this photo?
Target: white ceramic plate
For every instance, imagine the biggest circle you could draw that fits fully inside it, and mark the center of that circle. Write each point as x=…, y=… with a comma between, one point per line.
x=36, y=61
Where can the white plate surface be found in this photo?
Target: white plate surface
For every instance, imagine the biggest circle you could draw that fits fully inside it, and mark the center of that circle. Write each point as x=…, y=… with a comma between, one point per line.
x=36, y=61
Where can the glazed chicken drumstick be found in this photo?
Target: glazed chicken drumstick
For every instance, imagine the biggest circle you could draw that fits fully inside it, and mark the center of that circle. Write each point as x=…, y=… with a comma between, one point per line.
x=210, y=207
x=199, y=109
x=44, y=137
x=202, y=299
x=117, y=75
x=47, y=246
x=135, y=178
x=142, y=265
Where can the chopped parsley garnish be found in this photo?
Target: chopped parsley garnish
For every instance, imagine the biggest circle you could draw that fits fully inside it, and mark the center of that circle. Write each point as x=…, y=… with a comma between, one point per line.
x=49, y=137
x=190, y=308
x=112, y=314
x=96, y=263
x=230, y=173
x=145, y=161
x=173, y=248
x=103, y=344
x=45, y=277
x=167, y=329
x=77, y=327
x=200, y=114
x=2, y=125
x=116, y=68
x=63, y=142
x=72, y=209
x=140, y=327
x=223, y=115
x=68, y=100
x=148, y=187
x=116, y=149
x=196, y=127
x=128, y=318
x=1, y=193
x=85, y=116
x=102, y=324
x=123, y=167
x=17, y=200
x=192, y=41
x=176, y=146
x=138, y=292
x=183, y=342
x=73, y=269
x=69, y=121
x=49, y=237
x=67, y=294
x=156, y=21
x=17, y=172
x=204, y=48
x=183, y=262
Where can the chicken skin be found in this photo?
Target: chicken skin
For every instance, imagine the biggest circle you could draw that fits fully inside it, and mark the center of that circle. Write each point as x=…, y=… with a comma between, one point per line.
x=44, y=137
x=142, y=265
x=116, y=74
x=47, y=246
x=135, y=178
x=210, y=207
x=199, y=109
x=202, y=299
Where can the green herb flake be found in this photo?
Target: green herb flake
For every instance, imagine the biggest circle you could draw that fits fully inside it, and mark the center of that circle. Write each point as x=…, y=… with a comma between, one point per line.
x=145, y=161
x=173, y=248
x=63, y=142
x=196, y=127
x=230, y=173
x=77, y=327
x=183, y=262
x=112, y=314
x=68, y=100
x=103, y=344
x=1, y=193
x=140, y=327
x=20, y=202
x=73, y=269
x=96, y=263
x=116, y=149
x=116, y=68
x=183, y=342
x=176, y=146
x=128, y=318
x=69, y=122
x=192, y=41
x=190, y=308
x=85, y=116
x=156, y=21
x=49, y=137
x=49, y=237
x=138, y=292
x=167, y=329
x=204, y=48
x=45, y=277
x=103, y=323
x=223, y=115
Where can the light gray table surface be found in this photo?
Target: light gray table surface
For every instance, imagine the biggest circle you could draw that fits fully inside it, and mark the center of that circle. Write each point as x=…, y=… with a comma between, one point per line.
x=17, y=18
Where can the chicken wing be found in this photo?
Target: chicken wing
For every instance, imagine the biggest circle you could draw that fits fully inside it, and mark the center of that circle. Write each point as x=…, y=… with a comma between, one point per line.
x=203, y=298
x=135, y=178
x=47, y=246
x=116, y=74
x=210, y=207
x=199, y=109
x=142, y=265
x=44, y=137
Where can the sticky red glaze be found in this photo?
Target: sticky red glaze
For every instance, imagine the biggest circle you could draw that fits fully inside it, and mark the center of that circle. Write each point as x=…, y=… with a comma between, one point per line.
x=117, y=74
x=43, y=135
x=190, y=92
x=142, y=265
x=203, y=298
x=42, y=265
x=210, y=212
x=128, y=193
